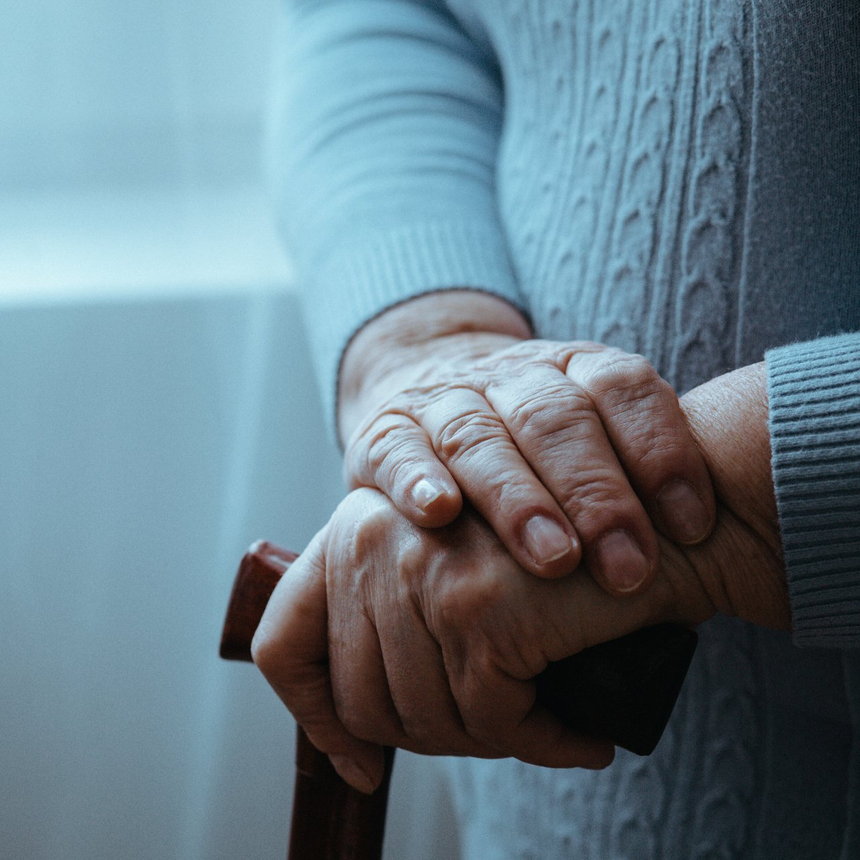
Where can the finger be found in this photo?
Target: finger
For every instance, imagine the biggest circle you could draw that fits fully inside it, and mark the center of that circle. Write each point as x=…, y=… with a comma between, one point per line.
x=476, y=447
x=501, y=711
x=291, y=649
x=510, y=634
x=394, y=454
x=556, y=426
x=649, y=433
x=389, y=684
x=359, y=682
x=419, y=688
x=393, y=695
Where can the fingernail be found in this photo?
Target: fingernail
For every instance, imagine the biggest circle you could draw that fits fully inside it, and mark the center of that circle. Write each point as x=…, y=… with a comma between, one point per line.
x=545, y=539
x=683, y=511
x=352, y=773
x=425, y=492
x=621, y=561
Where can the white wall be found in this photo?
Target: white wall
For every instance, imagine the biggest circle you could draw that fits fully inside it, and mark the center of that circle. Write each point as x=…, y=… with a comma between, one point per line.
x=157, y=413
x=98, y=92
x=143, y=446
x=130, y=141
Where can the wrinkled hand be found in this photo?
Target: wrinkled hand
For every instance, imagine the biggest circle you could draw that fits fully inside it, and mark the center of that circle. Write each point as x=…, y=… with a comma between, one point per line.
x=384, y=633
x=569, y=451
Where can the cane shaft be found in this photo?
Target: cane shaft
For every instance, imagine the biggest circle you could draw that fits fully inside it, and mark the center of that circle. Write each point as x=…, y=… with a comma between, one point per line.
x=331, y=820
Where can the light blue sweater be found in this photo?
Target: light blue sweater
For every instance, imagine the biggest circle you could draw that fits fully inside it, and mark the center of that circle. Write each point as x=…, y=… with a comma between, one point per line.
x=679, y=178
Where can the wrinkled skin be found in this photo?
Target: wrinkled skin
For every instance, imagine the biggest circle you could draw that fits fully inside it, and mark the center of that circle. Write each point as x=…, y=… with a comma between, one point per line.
x=571, y=451
x=386, y=633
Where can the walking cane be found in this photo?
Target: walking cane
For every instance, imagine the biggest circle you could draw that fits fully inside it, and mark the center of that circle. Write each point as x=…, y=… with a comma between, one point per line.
x=622, y=690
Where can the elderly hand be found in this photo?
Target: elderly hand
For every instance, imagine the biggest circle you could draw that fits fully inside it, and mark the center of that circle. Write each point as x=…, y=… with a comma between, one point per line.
x=384, y=633
x=569, y=451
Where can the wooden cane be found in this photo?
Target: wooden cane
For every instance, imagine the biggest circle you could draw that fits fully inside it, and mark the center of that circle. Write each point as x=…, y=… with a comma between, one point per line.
x=622, y=690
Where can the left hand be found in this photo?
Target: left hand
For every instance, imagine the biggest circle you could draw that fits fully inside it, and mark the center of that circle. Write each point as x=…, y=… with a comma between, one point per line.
x=569, y=450
x=387, y=634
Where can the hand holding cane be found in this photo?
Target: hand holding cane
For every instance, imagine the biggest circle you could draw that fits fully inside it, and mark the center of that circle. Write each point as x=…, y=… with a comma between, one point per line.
x=622, y=690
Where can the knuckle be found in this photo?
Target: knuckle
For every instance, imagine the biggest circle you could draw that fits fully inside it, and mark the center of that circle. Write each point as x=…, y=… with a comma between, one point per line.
x=478, y=730
x=263, y=652
x=546, y=412
x=357, y=530
x=411, y=566
x=598, y=500
x=386, y=440
x=625, y=376
x=509, y=652
x=465, y=432
x=364, y=536
x=598, y=487
x=467, y=602
x=373, y=450
x=662, y=451
x=357, y=503
x=481, y=726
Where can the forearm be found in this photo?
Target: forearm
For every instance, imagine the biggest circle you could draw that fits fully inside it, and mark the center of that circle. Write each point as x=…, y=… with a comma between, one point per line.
x=383, y=144
x=741, y=565
x=801, y=499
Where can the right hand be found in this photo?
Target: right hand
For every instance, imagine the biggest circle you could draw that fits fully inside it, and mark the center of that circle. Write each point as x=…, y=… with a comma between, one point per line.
x=569, y=450
x=385, y=634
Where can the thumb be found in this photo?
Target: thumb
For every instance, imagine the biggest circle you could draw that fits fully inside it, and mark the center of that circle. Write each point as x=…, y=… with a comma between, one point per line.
x=290, y=648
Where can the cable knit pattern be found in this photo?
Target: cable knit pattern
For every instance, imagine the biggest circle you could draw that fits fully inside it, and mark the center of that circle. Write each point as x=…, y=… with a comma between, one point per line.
x=703, y=308
x=634, y=236
x=674, y=177
x=722, y=824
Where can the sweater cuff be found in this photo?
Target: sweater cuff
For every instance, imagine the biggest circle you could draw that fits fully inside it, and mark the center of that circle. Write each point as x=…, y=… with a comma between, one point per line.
x=814, y=395
x=370, y=273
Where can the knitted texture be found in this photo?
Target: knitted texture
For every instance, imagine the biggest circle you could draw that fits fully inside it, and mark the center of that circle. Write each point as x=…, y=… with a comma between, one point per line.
x=673, y=177
x=382, y=150
x=814, y=395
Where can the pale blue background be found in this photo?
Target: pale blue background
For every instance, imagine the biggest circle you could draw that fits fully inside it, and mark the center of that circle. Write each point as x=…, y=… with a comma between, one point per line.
x=157, y=413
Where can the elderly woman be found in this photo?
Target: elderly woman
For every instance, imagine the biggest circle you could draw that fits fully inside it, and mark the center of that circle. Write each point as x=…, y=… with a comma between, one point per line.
x=523, y=229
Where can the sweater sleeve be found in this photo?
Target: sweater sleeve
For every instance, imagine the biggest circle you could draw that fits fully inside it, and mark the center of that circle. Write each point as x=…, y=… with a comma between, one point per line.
x=382, y=149
x=814, y=395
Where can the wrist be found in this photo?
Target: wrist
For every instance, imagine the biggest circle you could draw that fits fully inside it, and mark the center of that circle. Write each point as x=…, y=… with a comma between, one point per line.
x=403, y=346
x=741, y=565
x=728, y=417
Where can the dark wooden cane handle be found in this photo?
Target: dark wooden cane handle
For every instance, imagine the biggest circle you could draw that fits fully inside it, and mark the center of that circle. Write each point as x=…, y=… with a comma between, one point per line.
x=331, y=820
x=622, y=690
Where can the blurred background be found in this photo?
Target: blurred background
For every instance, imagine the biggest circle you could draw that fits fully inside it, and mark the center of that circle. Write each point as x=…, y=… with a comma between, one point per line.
x=157, y=414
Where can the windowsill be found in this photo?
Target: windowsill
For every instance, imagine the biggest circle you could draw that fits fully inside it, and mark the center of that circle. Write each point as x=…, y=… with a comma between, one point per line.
x=65, y=246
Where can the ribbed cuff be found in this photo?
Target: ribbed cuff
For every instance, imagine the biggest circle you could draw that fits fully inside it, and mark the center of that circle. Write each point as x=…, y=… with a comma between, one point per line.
x=814, y=394
x=370, y=274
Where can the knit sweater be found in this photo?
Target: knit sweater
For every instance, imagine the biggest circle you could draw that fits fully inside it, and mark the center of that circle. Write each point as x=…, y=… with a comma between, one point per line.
x=679, y=178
